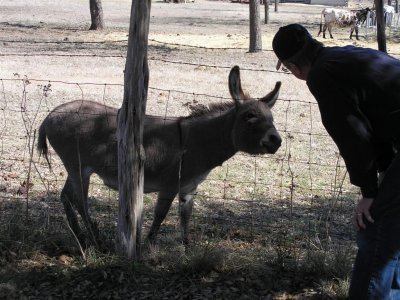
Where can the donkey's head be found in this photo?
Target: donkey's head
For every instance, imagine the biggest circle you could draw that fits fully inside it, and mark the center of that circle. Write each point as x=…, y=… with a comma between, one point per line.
x=254, y=131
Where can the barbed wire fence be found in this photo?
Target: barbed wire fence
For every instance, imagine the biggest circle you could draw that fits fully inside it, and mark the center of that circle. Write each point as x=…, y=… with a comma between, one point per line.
x=300, y=195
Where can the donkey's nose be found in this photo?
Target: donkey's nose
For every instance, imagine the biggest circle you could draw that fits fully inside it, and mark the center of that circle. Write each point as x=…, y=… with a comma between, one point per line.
x=272, y=143
x=275, y=139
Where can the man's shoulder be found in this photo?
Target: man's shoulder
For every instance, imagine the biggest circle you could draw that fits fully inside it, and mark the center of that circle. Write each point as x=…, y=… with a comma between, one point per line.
x=351, y=53
x=348, y=50
x=344, y=58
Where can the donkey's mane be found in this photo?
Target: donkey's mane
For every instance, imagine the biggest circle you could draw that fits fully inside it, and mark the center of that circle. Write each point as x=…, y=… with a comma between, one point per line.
x=199, y=110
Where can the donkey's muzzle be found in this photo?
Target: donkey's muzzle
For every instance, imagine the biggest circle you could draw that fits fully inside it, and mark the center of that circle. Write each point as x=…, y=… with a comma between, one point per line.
x=272, y=143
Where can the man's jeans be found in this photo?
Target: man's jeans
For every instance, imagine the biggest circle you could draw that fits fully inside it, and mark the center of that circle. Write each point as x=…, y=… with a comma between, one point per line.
x=376, y=271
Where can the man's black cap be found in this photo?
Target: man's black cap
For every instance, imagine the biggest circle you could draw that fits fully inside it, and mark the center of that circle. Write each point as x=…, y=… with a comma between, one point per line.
x=289, y=40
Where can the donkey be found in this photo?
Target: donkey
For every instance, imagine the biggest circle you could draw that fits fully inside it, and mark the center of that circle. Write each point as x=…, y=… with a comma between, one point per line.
x=180, y=152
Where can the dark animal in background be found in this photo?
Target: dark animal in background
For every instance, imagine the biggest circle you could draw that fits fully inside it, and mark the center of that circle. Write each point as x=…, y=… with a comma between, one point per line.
x=370, y=16
x=180, y=152
x=361, y=15
x=334, y=17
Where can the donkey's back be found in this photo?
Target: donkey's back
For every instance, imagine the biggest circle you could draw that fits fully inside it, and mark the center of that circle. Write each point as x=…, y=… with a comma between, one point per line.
x=84, y=135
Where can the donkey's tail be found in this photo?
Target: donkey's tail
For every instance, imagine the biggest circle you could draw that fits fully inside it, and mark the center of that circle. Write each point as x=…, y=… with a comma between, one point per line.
x=42, y=143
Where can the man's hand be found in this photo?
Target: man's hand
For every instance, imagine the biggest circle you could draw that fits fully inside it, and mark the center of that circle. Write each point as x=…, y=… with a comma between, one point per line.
x=362, y=209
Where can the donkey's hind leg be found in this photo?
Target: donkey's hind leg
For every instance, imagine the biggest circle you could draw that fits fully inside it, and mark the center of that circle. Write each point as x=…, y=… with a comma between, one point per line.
x=164, y=201
x=186, y=208
x=81, y=188
x=67, y=199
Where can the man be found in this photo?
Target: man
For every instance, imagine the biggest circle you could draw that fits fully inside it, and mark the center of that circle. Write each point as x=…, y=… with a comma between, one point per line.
x=358, y=94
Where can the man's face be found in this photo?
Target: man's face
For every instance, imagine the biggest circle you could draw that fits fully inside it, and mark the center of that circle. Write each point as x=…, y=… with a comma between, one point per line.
x=294, y=69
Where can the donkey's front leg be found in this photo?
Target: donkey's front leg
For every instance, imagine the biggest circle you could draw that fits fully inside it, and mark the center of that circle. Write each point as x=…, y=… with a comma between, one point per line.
x=186, y=207
x=164, y=201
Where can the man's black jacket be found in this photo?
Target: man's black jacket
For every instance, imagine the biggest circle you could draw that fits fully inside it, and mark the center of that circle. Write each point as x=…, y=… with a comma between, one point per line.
x=358, y=94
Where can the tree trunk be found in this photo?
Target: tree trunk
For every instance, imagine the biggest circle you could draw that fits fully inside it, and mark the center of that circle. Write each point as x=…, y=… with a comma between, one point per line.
x=276, y=5
x=96, y=14
x=130, y=133
x=266, y=11
x=380, y=25
x=255, y=26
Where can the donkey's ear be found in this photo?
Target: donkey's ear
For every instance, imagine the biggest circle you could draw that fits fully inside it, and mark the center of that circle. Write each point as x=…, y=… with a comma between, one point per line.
x=235, y=86
x=271, y=97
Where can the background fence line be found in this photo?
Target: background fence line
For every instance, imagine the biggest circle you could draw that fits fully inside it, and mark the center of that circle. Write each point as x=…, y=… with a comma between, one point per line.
x=392, y=24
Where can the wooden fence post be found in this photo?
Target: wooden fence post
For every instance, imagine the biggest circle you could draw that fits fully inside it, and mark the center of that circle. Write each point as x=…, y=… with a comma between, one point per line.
x=380, y=26
x=255, y=26
x=266, y=12
x=130, y=133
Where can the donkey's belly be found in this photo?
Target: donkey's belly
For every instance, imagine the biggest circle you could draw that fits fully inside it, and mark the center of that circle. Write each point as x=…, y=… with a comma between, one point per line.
x=111, y=182
x=164, y=185
x=149, y=187
x=189, y=185
x=165, y=181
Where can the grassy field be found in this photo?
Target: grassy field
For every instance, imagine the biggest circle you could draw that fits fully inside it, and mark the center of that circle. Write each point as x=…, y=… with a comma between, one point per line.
x=264, y=227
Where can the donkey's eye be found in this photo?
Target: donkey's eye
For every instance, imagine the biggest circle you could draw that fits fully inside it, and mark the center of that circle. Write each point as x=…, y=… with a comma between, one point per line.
x=250, y=116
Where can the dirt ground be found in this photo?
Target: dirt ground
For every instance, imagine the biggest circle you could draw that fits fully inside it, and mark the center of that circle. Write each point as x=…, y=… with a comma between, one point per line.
x=260, y=218
x=47, y=27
